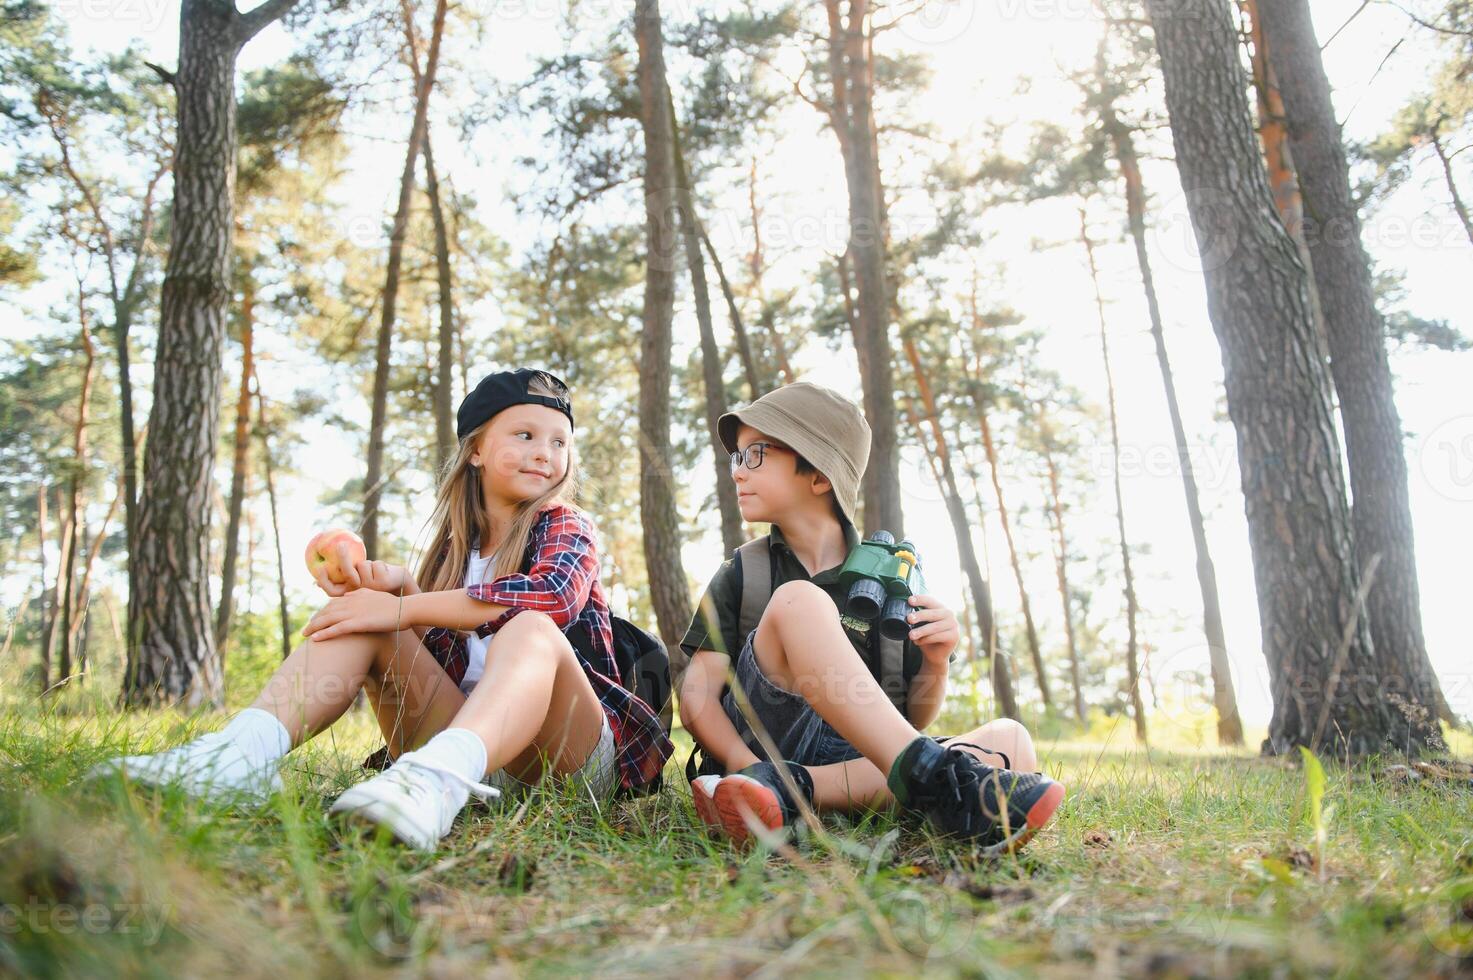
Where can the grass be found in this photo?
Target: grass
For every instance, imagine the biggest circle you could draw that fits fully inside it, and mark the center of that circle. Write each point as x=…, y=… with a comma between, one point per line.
x=1163, y=863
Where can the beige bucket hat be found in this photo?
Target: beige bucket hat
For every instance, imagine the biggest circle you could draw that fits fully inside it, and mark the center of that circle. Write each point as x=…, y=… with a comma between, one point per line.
x=820, y=424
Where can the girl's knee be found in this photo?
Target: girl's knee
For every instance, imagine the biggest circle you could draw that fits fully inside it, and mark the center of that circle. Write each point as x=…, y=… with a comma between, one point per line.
x=531, y=631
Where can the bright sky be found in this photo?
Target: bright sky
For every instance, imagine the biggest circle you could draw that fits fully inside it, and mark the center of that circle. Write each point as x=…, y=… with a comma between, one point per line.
x=980, y=53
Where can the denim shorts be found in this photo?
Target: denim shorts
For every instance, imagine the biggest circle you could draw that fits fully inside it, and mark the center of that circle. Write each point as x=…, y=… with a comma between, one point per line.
x=794, y=727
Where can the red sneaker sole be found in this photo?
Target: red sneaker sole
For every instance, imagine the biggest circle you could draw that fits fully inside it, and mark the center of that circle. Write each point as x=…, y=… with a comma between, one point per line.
x=705, y=803
x=1038, y=815
x=740, y=797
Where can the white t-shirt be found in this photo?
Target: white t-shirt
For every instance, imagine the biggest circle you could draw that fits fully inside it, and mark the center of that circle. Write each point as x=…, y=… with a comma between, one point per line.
x=477, y=572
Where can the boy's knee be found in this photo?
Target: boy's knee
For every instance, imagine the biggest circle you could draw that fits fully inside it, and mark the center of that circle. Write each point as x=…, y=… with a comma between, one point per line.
x=793, y=597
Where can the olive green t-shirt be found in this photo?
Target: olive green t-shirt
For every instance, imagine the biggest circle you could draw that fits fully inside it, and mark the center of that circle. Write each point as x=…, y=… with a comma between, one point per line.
x=715, y=623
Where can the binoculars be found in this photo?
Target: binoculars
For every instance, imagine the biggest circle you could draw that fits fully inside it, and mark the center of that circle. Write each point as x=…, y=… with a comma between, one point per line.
x=880, y=576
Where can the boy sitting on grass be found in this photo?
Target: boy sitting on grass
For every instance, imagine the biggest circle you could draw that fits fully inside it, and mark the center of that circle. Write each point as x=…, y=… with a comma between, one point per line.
x=843, y=710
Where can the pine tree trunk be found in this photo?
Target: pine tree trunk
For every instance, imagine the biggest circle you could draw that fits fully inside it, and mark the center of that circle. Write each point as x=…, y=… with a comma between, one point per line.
x=84, y=588
x=1229, y=725
x=1000, y=667
x=264, y=430
x=1132, y=606
x=444, y=409
x=757, y=264
x=853, y=122
x=240, y=464
x=424, y=84
x=66, y=590
x=726, y=497
x=738, y=328
x=1322, y=666
x=1460, y=207
x=1061, y=570
x=1273, y=135
x=171, y=641
x=661, y=520
x=961, y=528
x=1381, y=513
x=48, y=615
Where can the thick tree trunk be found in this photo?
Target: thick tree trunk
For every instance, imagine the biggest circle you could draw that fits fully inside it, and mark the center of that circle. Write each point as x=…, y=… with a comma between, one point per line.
x=853, y=122
x=1278, y=392
x=444, y=409
x=270, y=474
x=240, y=464
x=424, y=84
x=171, y=641
x=662, y=538
x=961, y=528
x=1273, y=134
x=1381, y=511
x=1132, y=606
x=1229, y=725
x=726, y=497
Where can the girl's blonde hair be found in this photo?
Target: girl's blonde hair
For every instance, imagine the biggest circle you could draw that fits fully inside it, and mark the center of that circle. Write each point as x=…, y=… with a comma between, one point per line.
x=460, y=512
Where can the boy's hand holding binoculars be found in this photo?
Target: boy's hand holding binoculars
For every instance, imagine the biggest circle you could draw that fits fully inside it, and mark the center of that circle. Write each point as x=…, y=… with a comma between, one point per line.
x=933, y=627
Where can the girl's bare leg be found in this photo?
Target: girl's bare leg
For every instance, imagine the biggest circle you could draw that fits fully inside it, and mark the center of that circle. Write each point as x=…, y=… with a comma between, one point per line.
x=412, y=695
x=533, y=702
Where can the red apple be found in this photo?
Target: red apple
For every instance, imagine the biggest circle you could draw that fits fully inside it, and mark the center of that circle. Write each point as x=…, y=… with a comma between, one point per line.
x=322, y=552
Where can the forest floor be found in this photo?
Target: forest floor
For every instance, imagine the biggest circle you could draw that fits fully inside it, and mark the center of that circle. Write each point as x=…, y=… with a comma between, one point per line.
x=1161, y=863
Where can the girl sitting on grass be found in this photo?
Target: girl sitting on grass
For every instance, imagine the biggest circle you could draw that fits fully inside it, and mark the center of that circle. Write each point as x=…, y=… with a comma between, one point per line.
x=466, y=664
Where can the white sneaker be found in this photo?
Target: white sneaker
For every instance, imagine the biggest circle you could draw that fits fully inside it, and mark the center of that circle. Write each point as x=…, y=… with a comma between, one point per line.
x=212, y=768
x=414, y=798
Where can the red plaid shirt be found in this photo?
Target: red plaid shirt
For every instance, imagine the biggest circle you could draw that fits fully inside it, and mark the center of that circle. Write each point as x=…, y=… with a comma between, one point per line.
x=561, y=581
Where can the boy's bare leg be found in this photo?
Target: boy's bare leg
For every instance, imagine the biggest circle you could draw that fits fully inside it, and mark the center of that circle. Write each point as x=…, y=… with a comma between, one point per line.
x=801, y=647
x=858, y=785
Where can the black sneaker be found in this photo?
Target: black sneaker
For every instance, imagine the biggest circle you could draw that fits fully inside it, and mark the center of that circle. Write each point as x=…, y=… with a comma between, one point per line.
x=961, y=796
x=726, y=803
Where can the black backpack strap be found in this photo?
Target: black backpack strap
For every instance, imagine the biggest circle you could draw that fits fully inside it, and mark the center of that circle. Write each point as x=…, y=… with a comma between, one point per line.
x=892, y=671
x=756, y=561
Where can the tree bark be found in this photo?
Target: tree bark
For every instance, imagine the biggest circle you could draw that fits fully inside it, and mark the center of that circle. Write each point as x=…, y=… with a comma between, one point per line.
x=1278, y=392
x=424, y=84
x=853, y=122
x=47, y=615
x=445, y=438
x=66, y=582
x=732, y=535
x=263, y=430
x=961, y=528
x=1132, y=606
x=738, y=327
x=1381, y=516
x=171, y=641
x=661, y=521
x=240, y=464
x=1460, y=207
x=1061, y=570
x=1229, y=725
x=1000, y=666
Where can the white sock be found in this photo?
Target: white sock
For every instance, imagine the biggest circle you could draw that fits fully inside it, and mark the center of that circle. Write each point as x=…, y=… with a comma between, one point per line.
x=459, y=750
x=260, y=735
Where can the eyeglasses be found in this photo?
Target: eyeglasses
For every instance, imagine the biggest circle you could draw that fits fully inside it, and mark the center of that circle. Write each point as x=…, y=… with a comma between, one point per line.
x=753, y=455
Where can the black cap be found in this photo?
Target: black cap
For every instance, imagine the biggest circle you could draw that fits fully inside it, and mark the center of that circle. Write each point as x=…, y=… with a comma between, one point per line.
x=504, y=389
